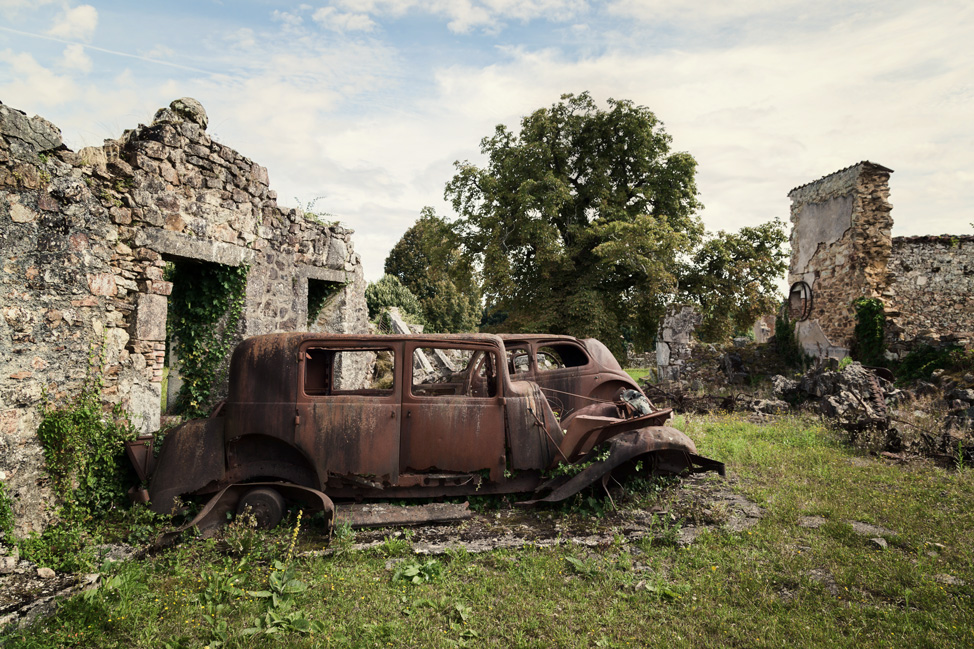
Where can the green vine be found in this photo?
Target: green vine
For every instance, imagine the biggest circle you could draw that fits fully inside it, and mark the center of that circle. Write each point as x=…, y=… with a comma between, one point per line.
x=869, y=336
x=6, y=513
x=83, y=447
x=204, y=309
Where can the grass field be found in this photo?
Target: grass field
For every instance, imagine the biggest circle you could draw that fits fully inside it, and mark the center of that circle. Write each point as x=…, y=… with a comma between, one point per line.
x=775, y=584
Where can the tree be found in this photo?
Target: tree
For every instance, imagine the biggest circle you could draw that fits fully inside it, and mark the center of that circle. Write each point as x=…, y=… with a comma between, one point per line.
x=581, y=221
x=733, y=278
x=584, y=222
x=430, y=262
x=388, y=291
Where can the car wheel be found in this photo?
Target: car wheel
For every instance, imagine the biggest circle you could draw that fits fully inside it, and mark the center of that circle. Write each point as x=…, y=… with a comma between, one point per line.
x=266, y=505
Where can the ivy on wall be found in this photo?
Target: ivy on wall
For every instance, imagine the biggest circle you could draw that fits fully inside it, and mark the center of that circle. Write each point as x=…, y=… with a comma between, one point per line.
x=6, y=513
x=869, y=336
x=204, y=309
x=84, y=458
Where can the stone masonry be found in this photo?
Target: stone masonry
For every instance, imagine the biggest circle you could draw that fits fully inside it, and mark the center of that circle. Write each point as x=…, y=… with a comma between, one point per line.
x=84, y=239
x=840, y=246
x=930, y=296
x=842, y=249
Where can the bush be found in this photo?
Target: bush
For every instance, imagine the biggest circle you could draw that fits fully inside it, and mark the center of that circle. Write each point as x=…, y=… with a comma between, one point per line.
x=869, y=336
x=389, y=291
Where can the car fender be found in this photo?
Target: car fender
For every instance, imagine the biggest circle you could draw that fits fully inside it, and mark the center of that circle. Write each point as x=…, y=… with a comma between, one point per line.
x=665, y=449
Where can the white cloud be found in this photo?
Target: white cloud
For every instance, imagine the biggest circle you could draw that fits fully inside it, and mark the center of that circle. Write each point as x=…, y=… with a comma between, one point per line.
x=343, y=22
x=78, y=23
x=464, y=15
x=76, y=58
x=286, y=18
x=763, y=118
x=32, y=84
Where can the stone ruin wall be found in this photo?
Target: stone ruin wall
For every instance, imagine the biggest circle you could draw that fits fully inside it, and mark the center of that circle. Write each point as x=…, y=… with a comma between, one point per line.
x=931, y=291
x=843, y=249
x=841, y=241
x=84, y=239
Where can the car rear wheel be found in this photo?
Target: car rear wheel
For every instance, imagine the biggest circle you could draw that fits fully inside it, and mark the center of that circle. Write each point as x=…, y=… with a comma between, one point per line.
x=265, y=504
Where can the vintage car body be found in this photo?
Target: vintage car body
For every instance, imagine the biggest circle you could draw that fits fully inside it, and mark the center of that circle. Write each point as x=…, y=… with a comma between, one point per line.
x=312, y=417
x=573, y=373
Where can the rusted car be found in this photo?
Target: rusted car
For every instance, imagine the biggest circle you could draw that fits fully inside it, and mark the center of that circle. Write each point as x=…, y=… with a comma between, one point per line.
x=316, y=418
x=572, y=373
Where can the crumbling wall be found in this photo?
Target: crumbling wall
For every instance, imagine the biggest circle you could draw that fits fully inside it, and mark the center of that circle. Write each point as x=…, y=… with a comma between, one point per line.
x=84, y=239
x=674, y=347
x=841, y=241
x=931, y=290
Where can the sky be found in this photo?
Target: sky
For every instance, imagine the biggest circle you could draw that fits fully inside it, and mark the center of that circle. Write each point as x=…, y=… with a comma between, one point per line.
x=359, y=108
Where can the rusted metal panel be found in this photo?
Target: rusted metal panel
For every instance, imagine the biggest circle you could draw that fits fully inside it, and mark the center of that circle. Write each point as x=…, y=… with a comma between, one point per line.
x=663, y=449
x=438, y=416
x=533, y=433
x=591, y=374
x=191, y=460
x=352, y=435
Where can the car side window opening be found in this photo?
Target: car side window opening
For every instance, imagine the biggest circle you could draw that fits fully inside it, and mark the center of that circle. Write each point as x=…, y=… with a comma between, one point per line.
x=518, y=360
x=366, y=372
x=556, y=357
x=445, y=371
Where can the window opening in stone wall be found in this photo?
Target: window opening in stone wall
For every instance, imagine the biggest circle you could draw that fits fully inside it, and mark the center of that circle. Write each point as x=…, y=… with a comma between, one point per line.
x=320, y=293
x=799, y=301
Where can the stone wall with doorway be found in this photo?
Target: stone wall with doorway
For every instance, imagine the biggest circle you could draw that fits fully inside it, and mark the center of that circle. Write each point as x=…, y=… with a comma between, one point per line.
x=841, y=241
x=84, y=242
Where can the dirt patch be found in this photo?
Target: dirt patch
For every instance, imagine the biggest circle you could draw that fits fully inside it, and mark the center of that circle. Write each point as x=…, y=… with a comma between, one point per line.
x=698, y=503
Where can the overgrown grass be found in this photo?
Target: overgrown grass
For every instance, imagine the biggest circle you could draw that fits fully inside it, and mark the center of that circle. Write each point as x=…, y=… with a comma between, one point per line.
x=775, y=584
x=638, y=373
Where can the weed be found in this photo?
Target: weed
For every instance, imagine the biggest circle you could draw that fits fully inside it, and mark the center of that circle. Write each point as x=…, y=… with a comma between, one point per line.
x=6, y=513
x=280, y=616
x=580, y=567
x=416, y=572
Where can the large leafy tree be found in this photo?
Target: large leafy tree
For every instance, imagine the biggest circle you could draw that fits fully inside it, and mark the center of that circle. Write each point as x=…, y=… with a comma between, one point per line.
x=583, y=221
x=733, y=278
x=430, y=261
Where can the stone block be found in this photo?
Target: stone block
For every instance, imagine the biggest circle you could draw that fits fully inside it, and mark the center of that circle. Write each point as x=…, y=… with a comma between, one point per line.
x=102, y=284
x=150, y=317
x=21, y=214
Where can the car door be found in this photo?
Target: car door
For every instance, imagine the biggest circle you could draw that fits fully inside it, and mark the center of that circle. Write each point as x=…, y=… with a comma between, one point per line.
x=453, y=411
x=349, y=408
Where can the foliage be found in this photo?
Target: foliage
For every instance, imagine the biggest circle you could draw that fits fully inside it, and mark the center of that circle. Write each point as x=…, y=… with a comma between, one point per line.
x=418, y=572
x=84, y=458
x=733, y=277
x=786, y=344
x=6, y=513
x=204, y=310
x=922, y=362
x=431, y=262
x=584, y=223
x=389, y=291
x=771, y=582
x=869, y=336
